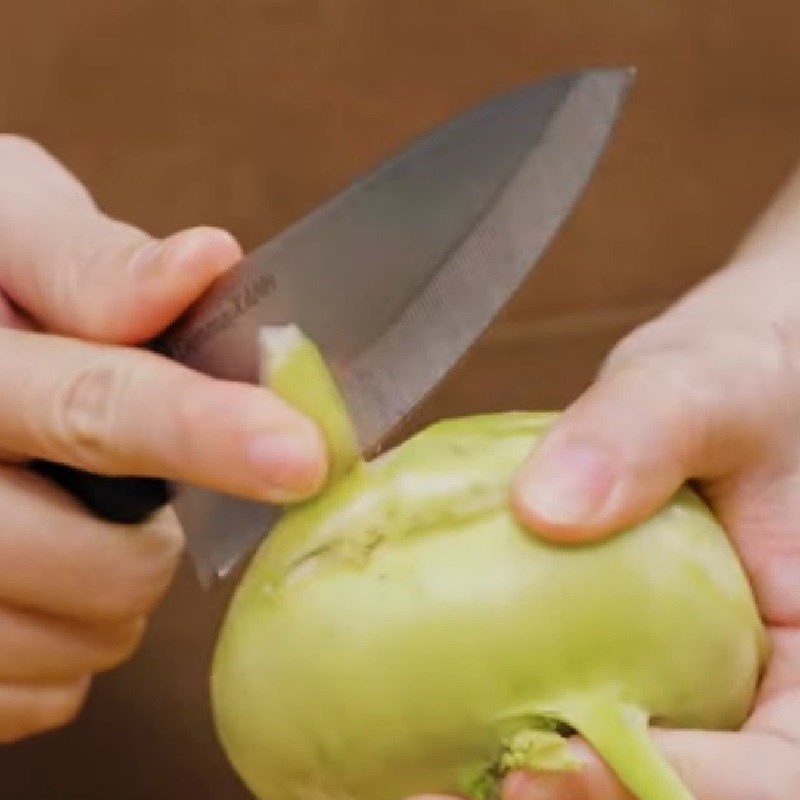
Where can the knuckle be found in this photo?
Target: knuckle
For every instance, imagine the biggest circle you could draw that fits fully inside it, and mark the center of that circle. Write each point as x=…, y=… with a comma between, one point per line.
x=105, y=244
x=698, y=368
x=716, y=354
x=85, y=410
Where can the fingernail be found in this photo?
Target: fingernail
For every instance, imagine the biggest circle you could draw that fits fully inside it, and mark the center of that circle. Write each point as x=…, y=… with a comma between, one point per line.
x=289, y=462
x=209, y=249
x=206, y=249
x=568, y=484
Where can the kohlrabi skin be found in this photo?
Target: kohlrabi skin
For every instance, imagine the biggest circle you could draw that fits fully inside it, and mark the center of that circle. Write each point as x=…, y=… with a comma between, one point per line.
x=402, y=633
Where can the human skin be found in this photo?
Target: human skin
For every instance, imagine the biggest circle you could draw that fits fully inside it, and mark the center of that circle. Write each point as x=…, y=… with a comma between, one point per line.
x=78, y=291
x=710, y=392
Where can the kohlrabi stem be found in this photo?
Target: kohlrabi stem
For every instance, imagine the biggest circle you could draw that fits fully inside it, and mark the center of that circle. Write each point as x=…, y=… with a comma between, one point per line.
x=620, y=735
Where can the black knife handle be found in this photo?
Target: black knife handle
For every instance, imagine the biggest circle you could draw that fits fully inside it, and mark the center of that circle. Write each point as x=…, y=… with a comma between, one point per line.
x=125, y=500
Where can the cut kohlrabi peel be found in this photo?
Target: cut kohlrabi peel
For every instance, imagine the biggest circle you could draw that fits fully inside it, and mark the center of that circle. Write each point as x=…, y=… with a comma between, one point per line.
x=402, y=633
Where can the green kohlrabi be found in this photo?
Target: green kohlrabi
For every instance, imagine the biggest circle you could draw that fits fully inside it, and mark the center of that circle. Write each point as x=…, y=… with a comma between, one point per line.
x=402, y=633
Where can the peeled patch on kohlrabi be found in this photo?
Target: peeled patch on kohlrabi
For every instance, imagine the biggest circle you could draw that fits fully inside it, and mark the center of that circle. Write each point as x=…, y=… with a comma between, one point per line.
x=402, y=633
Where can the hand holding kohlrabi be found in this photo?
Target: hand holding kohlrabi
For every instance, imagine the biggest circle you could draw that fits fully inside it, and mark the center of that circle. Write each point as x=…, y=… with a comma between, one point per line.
x=403, y=633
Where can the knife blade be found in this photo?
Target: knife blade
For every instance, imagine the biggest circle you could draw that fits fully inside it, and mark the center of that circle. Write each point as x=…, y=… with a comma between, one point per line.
x=395, y=277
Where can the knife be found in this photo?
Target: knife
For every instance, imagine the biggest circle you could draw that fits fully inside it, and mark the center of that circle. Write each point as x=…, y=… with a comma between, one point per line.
x=394, y=278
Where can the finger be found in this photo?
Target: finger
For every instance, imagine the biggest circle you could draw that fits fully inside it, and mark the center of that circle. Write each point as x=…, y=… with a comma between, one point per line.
x=29, y=709
x=77, y=271
x=714, y=766
x=123, y=411
x=759, y=508
x=59, y=560
x=621, y=449
x=626, y=445
x=35, y=648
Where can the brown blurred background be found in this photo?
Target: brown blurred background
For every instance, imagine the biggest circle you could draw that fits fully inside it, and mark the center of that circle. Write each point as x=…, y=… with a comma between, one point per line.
x=246, y=113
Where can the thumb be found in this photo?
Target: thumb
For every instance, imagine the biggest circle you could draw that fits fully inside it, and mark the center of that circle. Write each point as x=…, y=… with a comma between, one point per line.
x=628, y=443
x=77, y=272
